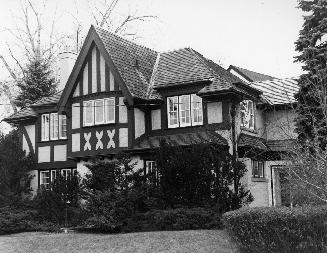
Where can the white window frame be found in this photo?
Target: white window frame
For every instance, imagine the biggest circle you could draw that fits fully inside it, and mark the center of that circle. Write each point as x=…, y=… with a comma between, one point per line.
x=96, y=107
x=54, y=126
x=42, y=183
x=248, y=117
x=53, y=175
x=186, y=110
x=107, y=108
x=68, y=173
x=45, y=127
x=62, y=126
x=197, y=107
x=85, y=107
x=256, y=165
x=169, y=112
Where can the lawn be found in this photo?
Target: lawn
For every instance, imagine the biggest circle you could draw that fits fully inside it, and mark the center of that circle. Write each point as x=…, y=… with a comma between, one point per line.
x=164, y=241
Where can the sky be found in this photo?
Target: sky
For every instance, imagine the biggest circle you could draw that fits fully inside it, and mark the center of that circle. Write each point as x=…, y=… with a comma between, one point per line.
x=254, y=34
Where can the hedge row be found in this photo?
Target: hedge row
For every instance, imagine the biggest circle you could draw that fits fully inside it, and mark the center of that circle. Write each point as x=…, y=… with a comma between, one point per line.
x=159, y=220
x=266, y=229
x=15, y=220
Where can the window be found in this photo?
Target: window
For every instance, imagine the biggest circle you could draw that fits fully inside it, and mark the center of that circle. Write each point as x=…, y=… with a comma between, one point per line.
x=45, y=127
x=247, y=114
x=197, y=113
x=99, y=111
x=88, y=108
x=151, y=172
x=53, y=175
x=62, y=127
x=172, y=108
x=258, y=169
x=66, y=173
x=109, y=110
x=185, y=110
x=53, y=126
x=45, y=179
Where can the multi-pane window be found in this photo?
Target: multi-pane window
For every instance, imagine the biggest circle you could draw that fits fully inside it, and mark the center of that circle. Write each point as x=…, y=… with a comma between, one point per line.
x=185, y=110
x=247, y=114
x=45, y=179
x=49, y=176
x=151, y=172
x=100, y=111
x=53, y=126
x=258, y=170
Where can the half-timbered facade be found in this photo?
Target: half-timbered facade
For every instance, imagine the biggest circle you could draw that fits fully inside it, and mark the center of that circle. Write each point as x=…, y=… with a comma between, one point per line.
x=121, y=96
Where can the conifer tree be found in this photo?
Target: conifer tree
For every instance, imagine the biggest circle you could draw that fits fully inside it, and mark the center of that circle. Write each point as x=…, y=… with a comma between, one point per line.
x=38, y=81
x=311, y=121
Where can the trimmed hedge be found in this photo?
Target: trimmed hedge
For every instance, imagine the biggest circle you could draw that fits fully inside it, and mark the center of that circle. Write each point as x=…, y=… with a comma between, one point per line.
x=268, y=229
x=173, y=219
x=22, y=219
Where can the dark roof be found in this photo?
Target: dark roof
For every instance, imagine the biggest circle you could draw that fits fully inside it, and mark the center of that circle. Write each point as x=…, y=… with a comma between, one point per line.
x=251, y=76
x=278, y=91
x=200, y=137
x=134, y=62
x=48, y=100
x=246, y=140
x=180, y=67
x=24, y=113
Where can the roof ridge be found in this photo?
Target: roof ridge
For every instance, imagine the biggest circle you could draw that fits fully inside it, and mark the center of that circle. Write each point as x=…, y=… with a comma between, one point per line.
x=194, y=52
x=154, y=72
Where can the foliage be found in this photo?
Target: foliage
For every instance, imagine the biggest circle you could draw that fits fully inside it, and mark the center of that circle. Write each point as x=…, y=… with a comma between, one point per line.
x=61, y=199
x=23, y=218
x=200, y=175
x=301, y=229
x=312, y=45
x=112, y=192
x=173, y=219
x=14, y=169
x=38, y=81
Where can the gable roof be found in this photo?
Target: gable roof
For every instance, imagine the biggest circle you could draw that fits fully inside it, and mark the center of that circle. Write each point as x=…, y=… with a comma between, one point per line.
x=278, y=91
x=250, y=75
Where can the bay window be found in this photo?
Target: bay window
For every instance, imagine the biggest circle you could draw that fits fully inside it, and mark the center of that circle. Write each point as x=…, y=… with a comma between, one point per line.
x=247, y=114
x=184, y=110
x=100, y=111
x=53, y=126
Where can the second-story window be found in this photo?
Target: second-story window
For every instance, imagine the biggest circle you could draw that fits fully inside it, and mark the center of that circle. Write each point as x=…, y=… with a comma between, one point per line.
x=247, y=114
x=185, y=110
x=100, y=111
x=53, y=127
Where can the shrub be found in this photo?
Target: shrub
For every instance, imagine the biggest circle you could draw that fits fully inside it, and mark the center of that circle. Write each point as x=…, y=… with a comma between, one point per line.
x=22, y=219
x=267, y=229
x=173, y=219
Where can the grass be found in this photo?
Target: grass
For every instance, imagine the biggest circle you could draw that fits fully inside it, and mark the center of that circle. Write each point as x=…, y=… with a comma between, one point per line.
x=164, y=241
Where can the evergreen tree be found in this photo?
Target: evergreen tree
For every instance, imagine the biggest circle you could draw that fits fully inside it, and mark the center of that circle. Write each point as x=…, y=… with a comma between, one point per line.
x=311, y=122
x=38, y=81
x=14, y=169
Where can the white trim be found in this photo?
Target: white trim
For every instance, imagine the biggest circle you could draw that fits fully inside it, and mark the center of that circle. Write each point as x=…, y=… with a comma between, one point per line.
x=170, y=125
x=41, y=178
x=52, y=178
x=62, y=118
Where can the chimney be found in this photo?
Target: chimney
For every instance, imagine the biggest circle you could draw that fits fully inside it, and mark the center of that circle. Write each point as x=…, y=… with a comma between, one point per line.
x=66, y=63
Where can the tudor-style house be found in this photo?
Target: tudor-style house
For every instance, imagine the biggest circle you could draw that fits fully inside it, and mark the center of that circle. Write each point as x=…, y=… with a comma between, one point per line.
x=121, y=96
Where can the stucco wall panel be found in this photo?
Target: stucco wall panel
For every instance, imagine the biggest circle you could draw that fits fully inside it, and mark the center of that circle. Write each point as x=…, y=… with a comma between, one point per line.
x=280, y=125
x=156, y=119
x=44, y=154
x=122, y=111
x=60, y=153
x=139, y=122
x=215, y=114
x=123, y=137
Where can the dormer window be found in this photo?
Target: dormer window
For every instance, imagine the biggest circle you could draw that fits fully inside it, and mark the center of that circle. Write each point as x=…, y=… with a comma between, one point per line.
x=184, y=110
x=247, y=114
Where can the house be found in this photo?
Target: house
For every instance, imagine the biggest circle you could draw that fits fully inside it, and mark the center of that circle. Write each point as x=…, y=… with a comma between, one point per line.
x=121, y=96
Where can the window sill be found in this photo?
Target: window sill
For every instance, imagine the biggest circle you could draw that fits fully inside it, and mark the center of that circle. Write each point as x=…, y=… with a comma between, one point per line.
x=183, y=127
x=97, y=125
x=249, y=130
x=44, y=141
x=258, y=179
